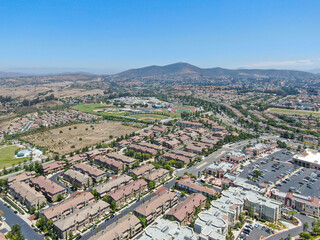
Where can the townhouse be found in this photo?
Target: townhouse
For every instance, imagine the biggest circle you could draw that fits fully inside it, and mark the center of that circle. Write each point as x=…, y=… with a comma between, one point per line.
x=179, y=155
x=195, y=125
x=128, y=192
x=140, y=171
x=128, y=161
x=53, y=167
x=76, y=158
x=158, y=175
x=109, y=163
x=125, y=227
x=104, y=188
x=189, y=185
x=76, y=178
x=50, y=189
x=95, y=173
x=185, y=210
x=23, y=177
x=68, y=206
x=156, y=205
x=81, y=219
x=27, y=195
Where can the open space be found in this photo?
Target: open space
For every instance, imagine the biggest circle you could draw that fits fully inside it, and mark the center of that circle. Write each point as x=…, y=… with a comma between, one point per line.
x=291, y=111
x=7, y=156
x=179, y=110
x=70, y=138
x=147, y=117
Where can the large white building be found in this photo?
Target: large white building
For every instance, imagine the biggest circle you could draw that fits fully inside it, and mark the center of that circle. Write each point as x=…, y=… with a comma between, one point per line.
x=308, y=158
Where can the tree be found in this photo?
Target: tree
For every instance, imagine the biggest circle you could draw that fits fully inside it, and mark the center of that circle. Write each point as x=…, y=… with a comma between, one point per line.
x=251, y=211
x=305, y=227
x=305, y=235
x=151, y=185
x=113, y=205
x=15, y=233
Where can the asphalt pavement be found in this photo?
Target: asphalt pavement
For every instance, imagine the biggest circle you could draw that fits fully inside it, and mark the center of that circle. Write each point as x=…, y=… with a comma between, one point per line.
x=12, y=219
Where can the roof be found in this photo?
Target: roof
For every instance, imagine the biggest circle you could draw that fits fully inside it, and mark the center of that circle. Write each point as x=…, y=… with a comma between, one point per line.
x=141, y=170
x=25, y=191
x=188, y=182
x=56, y=210
x=156, y=174
x=122, y=158
x=308, y=156
x=80, y=215
x=117, y=228
x=47, y=185
x=21, y=177
x=115, y=182
x=185, y=208
x=77, y=175
x=156, y=201
x=127, y=189
x=93, y=171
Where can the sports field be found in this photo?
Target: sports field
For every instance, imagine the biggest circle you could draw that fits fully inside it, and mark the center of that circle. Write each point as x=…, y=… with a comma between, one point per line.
x=291, y=111
x=98, y=109
x=7, y=156
x=148, y=116
x=179, y=110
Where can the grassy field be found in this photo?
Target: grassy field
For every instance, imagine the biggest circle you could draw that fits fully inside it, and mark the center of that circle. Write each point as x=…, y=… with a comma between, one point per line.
x=165, y=111
x=179, y=110
x=291, y=111
x=148, y=116
x=70, y=138
x=94, y=109
x=7, y=156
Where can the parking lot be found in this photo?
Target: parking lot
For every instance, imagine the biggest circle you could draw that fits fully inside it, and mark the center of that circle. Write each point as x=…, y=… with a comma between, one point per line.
x=305, y=182
x=281, y=155
x=272, y=170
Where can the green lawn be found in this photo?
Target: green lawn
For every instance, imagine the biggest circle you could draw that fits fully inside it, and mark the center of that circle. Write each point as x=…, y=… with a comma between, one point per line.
x=290, y=111
x=166, y=112
x=89, y=108
x=148, y=116
x=183, y=110
x=7, y=156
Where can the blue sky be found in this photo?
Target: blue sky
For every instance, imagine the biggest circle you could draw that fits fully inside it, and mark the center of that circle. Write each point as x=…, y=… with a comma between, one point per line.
x=110, y=36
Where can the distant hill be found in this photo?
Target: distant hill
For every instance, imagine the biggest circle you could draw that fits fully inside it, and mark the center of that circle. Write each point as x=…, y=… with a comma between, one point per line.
x=12, y=74
x=185, y=69
x=315, y=71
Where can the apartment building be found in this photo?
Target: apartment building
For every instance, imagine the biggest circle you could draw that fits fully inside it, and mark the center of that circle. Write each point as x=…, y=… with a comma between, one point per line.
x=95, y=173
x=78, y=179
x=68, y=206
x=128, y=192
x=23, y=177
x=113, y=184
x=156, y=205
x=50, y=189
x=165, y=229
x=124, y=228
x=185, y=209
x=27, y=195
x=81, y=219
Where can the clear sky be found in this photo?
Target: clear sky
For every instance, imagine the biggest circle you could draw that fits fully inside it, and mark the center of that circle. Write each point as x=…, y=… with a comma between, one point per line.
x=110, y=36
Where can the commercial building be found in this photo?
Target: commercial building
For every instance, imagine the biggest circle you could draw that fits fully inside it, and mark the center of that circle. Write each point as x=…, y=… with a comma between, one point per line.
x=308, y=158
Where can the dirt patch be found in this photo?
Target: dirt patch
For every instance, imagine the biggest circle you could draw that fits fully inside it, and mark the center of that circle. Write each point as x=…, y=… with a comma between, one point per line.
x=67, y=139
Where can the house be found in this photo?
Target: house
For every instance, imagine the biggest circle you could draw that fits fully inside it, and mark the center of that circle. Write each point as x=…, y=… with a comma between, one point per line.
x=95, y=173
x=125, y=227
x=68, y=206
x=76, y=158
x=23, y=177
x=185, y=209
x=49, y=189
x=189, y=185
x=172, y=144
x=128, y=161
x=76, y=178
x=27, y=195
x=156, y=205
x=195, y=125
